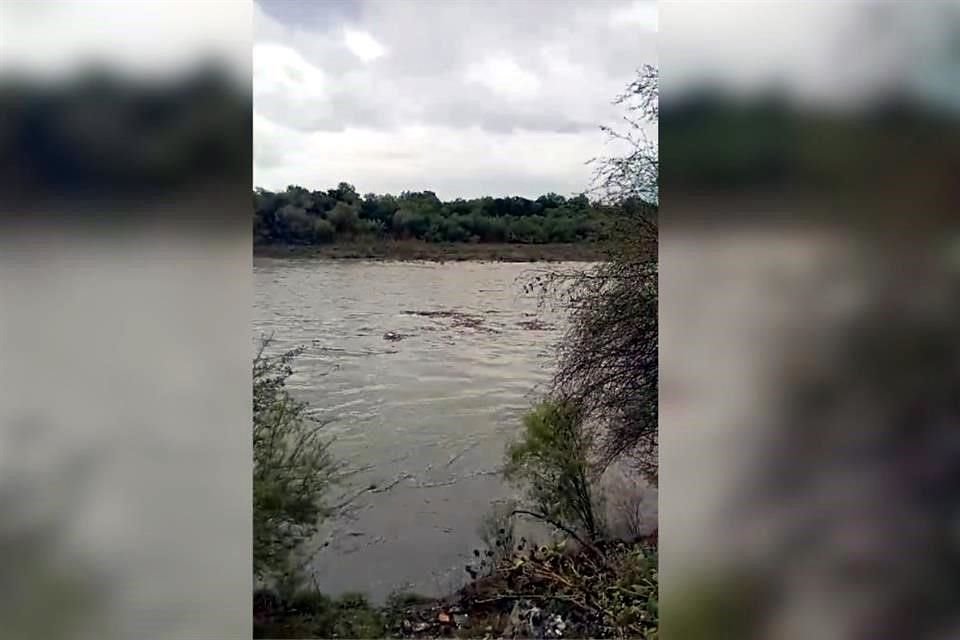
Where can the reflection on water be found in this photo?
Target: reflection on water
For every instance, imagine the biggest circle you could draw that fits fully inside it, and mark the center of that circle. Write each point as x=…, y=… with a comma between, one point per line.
x=424, y=370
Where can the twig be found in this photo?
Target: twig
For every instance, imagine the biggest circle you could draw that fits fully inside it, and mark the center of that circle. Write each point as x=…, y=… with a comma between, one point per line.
x=537, y=596
x=370, y=489
x=573, y=534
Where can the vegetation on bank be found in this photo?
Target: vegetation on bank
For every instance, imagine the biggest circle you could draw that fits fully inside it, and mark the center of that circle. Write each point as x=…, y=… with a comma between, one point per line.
x=539, y=593
x=298, y=216
x=293, y=471
x=580, y=583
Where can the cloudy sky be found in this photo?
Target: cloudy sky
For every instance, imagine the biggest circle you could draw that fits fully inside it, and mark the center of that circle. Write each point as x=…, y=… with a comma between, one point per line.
x=465, y=98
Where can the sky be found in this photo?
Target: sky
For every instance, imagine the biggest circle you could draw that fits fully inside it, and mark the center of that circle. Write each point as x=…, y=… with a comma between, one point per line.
x=463, y=98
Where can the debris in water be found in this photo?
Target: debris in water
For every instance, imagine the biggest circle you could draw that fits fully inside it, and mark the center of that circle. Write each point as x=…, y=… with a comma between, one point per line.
x=459, y=319
x=535, y=325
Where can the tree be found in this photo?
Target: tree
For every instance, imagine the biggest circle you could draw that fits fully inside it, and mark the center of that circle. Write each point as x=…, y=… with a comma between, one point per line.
x=345, y=192
x=634, y=173
x=323, y=231
x=344, y=218
x=608, y=365
x=552, y=462
x=551, y=201
x=295, y=224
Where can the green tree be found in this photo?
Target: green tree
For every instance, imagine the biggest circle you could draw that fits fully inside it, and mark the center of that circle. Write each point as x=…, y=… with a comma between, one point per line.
x=551, y=461
x=323, y=231
x=344, y=218
x=608, y=365
x=295, y=225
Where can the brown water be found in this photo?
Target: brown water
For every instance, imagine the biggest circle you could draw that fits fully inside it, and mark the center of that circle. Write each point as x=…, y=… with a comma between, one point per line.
x=434, y=409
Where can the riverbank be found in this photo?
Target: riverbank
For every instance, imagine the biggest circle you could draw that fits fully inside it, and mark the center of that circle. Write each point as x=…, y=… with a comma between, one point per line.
x=543, y=592
x=403, y=250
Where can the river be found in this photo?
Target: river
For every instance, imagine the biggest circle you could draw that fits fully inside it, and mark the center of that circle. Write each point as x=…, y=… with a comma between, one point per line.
x=423, y=371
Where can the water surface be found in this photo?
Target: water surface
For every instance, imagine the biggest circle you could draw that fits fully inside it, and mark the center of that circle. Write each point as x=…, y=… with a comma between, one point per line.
x=431, y=411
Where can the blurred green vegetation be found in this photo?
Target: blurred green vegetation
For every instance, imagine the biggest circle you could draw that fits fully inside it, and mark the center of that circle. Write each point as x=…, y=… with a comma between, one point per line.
x=714, y=142
x=100, y=136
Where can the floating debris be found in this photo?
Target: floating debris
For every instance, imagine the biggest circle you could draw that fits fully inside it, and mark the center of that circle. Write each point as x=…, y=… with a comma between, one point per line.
x=459, y=319
x=535, y=325
x=440, y=313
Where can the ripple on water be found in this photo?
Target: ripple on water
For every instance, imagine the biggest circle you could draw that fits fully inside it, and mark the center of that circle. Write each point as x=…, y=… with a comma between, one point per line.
x=439, y=404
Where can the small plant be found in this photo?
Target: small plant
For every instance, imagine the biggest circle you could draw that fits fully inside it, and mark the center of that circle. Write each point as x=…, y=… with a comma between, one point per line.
x=292, y=470
x=638, y=579
x=356, y=618
x=399, y=607
x=551, y=461
x=497, y=532
x=311, y=614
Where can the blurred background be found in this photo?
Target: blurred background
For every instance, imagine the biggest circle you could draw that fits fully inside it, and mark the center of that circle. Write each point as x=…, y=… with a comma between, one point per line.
x=808, y=280
x=125, y=156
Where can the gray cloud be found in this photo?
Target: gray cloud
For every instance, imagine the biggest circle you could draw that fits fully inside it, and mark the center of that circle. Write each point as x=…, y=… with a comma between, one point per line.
x=498, y=67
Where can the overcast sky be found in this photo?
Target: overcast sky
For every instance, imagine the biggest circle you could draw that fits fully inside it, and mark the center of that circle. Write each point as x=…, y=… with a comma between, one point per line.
x=463, y=98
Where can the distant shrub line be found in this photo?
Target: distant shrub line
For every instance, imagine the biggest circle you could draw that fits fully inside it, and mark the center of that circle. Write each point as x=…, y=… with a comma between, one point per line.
x=300, y=216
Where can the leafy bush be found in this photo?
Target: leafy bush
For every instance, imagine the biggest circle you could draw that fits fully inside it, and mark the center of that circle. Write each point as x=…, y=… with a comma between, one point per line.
x=551, y=461
x=292, y=468
x=498, y=534
x=636, y=598
x=311, y=614
x=344, y=218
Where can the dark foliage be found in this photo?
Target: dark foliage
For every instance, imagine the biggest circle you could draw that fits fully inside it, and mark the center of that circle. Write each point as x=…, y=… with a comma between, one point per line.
x=301, y=216
x=103, y=137
x=293, y=469
x=608, y=359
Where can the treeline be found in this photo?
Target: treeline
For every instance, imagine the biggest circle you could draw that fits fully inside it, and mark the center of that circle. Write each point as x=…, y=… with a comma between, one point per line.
x=301, y=216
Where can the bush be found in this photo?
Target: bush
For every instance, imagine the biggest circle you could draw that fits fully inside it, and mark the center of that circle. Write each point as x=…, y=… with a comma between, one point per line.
x=344, y=218
x=311, y=614
x=323, y=231
x=498, y=534
x=292, y=469
x=551, y=462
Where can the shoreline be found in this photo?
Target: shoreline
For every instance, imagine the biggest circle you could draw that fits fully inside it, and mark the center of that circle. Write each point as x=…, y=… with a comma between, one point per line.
x=410, y=250
x=542, y=592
